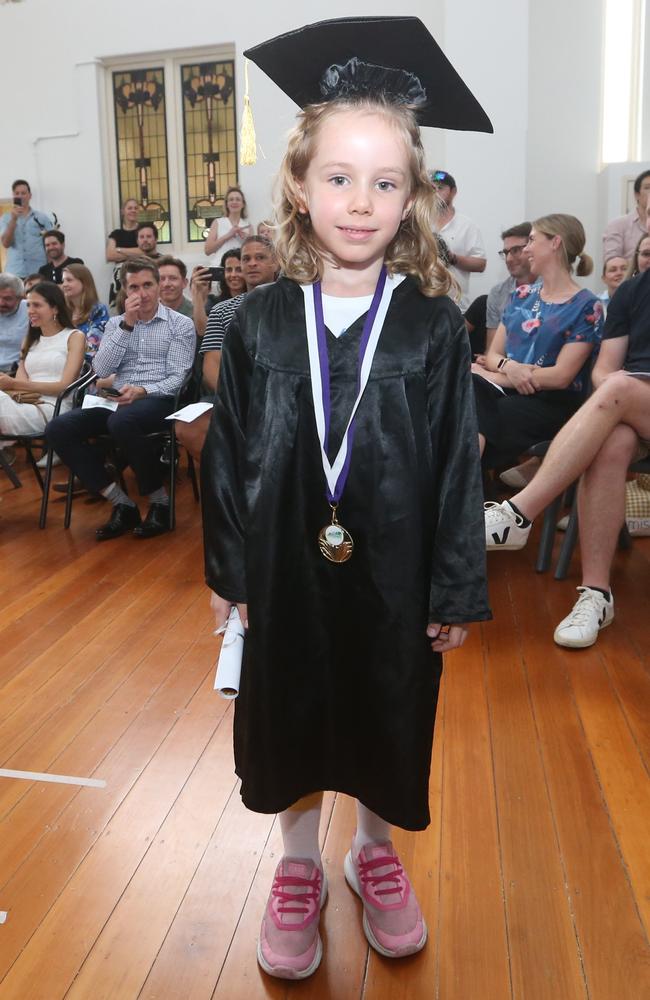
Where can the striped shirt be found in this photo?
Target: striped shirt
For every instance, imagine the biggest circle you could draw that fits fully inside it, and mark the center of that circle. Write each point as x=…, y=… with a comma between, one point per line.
x=154, y=355
x=219, y=320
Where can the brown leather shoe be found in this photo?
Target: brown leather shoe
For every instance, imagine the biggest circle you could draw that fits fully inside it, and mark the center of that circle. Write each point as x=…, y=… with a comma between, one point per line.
x=123, y=518
x=155, y=523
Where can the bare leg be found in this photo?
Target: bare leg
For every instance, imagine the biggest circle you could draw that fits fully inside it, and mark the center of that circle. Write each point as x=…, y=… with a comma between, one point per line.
x=618, y=400
x=481, y=444
x=601, y=505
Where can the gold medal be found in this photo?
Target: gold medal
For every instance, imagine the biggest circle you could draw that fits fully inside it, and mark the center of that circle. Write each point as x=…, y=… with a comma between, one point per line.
x=334, y=541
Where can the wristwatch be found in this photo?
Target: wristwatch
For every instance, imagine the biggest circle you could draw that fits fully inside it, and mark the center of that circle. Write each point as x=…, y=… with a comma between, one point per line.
x=502, y=363
x=125, y=326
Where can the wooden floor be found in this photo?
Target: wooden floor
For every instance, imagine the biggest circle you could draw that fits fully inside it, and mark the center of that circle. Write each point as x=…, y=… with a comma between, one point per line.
x=534, y=875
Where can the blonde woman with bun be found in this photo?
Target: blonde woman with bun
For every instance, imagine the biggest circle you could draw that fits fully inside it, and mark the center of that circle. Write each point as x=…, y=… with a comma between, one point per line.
x=537, y=367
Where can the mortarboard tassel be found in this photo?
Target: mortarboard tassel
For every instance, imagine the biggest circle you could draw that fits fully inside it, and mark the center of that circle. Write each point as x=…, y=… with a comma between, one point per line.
x=247, y=141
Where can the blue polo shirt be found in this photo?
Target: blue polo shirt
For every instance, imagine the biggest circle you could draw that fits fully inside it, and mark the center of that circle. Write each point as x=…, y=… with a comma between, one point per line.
x=27, y=253
x=13, y=329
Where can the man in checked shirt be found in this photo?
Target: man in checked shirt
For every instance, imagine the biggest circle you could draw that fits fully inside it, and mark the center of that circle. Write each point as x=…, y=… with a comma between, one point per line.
x=142, y=361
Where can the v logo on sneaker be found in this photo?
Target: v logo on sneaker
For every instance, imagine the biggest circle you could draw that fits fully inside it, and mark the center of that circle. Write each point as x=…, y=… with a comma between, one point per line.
x=500, y=540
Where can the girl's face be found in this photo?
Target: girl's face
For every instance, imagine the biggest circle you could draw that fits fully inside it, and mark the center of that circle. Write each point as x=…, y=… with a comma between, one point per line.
x=234, y=202
x=357, y=187
x=540, y=250
x=39, y=311
x=233, y=276
x=72, y=287
x=643, y=255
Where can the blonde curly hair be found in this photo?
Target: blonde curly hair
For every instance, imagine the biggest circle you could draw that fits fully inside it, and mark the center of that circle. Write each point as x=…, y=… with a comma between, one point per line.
x=414, y=248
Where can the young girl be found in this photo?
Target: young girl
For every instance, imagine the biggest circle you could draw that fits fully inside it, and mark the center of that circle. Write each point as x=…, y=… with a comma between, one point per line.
x=342, y=508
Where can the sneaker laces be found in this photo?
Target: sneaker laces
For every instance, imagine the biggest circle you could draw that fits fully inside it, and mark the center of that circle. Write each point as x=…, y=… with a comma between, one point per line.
x=296, y=901
x=584, y=608
x=366, y=869
x=494, y=513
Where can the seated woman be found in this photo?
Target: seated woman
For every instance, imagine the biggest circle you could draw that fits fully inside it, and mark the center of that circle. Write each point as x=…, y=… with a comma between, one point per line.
x=640, y=259
x=88, y=314
x=537, y=367
x=51, y=358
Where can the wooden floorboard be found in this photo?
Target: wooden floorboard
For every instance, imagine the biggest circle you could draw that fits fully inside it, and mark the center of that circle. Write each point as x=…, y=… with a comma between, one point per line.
x=534, y=875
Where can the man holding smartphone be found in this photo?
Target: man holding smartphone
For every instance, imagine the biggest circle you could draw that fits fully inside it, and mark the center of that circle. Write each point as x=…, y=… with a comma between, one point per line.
x=141, y=363
x=21, y=231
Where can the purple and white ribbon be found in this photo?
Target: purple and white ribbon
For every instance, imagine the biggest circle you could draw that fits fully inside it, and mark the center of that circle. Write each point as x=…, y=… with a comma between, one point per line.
x=336, y=473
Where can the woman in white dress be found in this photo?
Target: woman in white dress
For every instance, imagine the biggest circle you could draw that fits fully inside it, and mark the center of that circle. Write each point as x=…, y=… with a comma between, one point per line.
x=51, y=358
x=228, y=232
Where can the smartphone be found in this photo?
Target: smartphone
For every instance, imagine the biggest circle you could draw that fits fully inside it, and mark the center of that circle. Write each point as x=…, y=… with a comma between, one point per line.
x=216, y=273
x=18, y=201
x=110, y=391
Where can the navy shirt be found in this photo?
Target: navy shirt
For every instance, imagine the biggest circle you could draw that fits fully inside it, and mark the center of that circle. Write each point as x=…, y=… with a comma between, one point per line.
x=628, y=315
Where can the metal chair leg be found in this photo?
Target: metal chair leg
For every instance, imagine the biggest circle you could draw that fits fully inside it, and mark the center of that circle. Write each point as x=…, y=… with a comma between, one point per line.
x=547, y=538
x=46, y=489
x=7, y=469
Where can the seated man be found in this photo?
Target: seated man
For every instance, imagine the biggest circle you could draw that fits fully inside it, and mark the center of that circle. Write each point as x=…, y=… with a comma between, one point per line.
x=57, y=258
x=259, y=267
x=144, y=354
x=173, y=282
x=13, y=320
x=148, y=240
x=611, y=430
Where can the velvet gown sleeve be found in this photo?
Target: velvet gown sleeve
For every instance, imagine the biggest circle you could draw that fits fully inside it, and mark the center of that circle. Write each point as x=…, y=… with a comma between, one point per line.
x=223, y=470
x=458, y=591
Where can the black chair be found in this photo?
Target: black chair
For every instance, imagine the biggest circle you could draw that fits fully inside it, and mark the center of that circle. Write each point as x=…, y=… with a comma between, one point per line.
x=165, y=440
x=37, y=440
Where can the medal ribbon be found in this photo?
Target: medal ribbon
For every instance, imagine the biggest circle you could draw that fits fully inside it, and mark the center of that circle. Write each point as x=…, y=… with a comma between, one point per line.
x=336, y=473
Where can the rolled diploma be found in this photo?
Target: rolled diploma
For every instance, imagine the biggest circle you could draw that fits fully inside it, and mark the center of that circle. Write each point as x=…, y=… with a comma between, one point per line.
x=226, y=682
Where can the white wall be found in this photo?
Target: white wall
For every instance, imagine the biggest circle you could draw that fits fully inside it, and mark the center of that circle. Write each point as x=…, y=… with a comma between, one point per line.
x=540, y=86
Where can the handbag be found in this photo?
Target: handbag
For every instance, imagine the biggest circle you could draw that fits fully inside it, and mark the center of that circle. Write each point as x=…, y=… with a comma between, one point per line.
x=637, y=505
x=25, y=396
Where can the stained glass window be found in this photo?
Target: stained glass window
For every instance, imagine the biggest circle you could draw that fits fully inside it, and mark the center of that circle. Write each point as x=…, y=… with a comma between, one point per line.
x=210, y=133
x=139, y=103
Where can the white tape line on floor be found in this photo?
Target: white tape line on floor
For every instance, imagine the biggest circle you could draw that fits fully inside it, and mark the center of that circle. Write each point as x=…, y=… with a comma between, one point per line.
x=59, y=779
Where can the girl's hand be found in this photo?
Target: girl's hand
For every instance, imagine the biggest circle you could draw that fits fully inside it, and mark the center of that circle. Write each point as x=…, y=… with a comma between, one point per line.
x=446, y=637
x=520, y=377
x=7, y=382
x=221, y=608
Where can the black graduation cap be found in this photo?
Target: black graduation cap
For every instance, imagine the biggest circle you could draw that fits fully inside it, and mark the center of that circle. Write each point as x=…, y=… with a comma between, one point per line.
x=395, y=56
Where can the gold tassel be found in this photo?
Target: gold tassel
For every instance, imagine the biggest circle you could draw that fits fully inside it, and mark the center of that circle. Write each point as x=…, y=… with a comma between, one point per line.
x=247, y=140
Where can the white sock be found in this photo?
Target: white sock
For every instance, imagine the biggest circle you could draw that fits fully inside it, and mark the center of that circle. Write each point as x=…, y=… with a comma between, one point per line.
x=116, y=495
x=371, y=829
x=299, y=826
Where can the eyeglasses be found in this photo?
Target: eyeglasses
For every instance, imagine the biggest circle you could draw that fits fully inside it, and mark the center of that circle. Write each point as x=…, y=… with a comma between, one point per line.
x=515, y=251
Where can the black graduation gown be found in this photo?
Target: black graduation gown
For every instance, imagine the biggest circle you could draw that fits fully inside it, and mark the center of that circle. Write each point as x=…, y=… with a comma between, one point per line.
x=339, y=683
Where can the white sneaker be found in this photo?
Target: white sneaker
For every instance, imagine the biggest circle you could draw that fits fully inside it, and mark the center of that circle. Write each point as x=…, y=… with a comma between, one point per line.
x=503, y=528
x=590, y=613
x=42, y=462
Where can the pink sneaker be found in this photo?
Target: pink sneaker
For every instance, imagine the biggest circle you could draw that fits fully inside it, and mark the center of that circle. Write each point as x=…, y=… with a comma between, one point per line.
x=289, y=945
x=392, y=919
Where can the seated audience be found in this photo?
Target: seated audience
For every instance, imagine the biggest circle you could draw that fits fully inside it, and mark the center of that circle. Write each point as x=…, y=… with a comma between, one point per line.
x=148, y=240
x=204, y=300
x=173, y=282
x=259, y=266
x=609, y=432
x=229, y=231
x=50, y=359
x=14, y=321
x=122, y=243
x=515, y=240
x=614, y=272
x=475, y=323
x=21, y=231
x=537, y=367
x=623, y=234
x=57, y=258
x=144, y=355
x=88, y=314
x=640, y=259
x=30, y=281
